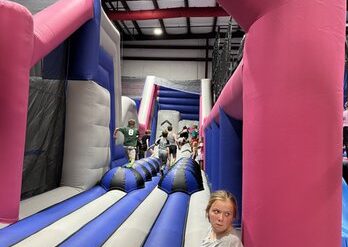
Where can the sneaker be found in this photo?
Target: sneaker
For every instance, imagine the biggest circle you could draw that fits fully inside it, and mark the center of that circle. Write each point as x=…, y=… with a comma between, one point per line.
x=129, y=165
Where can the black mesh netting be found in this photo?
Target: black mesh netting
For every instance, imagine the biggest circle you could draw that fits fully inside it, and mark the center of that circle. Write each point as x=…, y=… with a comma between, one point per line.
x=44, y=143
x=225, y=59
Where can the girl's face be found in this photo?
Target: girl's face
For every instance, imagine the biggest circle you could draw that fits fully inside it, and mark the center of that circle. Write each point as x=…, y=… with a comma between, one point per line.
x=221, y=216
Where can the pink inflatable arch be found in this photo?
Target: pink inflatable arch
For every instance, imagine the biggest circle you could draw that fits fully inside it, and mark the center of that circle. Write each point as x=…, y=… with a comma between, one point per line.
x=25, y=40
x=288, y=91
x=14, y=69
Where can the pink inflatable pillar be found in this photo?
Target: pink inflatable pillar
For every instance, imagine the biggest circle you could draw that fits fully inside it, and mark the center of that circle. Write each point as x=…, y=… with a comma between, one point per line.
x=16, y=48
x=292, y=116
x=147, y=105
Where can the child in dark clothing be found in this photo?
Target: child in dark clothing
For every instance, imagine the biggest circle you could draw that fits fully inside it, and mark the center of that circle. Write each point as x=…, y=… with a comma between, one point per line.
x=183, y=137
x=144, y=144
x=163, y=150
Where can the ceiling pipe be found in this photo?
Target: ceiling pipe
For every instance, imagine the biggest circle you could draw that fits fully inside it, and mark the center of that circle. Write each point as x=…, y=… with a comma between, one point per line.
x=166, y=13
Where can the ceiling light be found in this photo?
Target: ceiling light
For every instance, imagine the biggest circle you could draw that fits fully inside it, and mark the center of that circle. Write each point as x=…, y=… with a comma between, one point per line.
x=157, y=31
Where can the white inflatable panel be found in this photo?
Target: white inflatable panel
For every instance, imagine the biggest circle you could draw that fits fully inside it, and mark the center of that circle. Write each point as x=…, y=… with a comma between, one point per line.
x=57, y=232
x=197, y=224
x=129, y=110
x=132, y=233
x=2, y=225
x=111, y=42
x=206, y=99
x=37, y=203
x=87, y=134
x=205, y=181
x=167, y=115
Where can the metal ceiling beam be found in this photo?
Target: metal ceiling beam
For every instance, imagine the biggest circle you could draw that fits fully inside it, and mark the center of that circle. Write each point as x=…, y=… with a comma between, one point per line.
x=188, y=23
x=126, y=28
x=214, y=24
x=135, y=24
x=234, y=46
x=155, y=4
x=215, y=21
x=206, y=56
x=118, y=26
x=211, y=35
x=170, y=36
x=168, y=47
x=189, y=59
x=105, y=7
x=165, y=13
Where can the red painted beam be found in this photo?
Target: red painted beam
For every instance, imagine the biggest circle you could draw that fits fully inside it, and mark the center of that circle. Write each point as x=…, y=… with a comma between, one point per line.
x=166, y=13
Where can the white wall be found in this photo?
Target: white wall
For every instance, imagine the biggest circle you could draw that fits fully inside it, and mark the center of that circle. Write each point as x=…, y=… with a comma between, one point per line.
x=172, y=70
x=166, y=69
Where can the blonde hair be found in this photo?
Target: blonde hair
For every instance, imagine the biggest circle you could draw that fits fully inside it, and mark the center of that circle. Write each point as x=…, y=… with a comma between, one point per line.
x=222, y=195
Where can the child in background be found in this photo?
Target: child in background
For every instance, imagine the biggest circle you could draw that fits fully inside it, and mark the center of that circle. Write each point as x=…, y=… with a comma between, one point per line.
x=131, y=135
x=199, y=156
x=183, y=137
x=172, y=138
x=144, y=144
x=194, y=137
x=163, y=150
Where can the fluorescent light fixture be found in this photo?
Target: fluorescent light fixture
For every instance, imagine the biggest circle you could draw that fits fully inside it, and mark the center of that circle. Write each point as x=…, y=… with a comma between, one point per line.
x=157, y=31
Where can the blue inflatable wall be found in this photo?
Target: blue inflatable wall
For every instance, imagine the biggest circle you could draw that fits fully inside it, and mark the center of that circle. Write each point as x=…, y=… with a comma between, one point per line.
x=185, y=103
x=230, y=167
